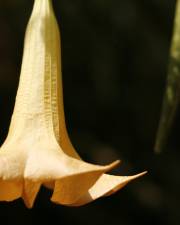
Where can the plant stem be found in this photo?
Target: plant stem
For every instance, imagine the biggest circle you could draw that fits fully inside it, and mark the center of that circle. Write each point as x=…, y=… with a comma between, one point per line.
x=172, y=93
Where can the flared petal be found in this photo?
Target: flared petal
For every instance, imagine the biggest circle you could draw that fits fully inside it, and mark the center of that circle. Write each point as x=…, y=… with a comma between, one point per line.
x=105, y=186
x=71, y=188
x=72, y=177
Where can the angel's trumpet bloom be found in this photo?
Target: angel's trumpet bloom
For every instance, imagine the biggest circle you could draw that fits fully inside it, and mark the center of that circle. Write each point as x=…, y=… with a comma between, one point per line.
x=37, y=149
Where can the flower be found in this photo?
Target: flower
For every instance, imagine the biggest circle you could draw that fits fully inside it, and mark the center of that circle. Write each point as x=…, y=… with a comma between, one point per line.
x=37, y=150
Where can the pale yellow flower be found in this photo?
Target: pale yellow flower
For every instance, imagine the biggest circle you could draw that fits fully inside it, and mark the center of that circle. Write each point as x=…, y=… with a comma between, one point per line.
x=37, y=150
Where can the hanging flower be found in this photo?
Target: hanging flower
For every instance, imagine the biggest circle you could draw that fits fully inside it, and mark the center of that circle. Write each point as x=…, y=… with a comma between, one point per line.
x=37, y=150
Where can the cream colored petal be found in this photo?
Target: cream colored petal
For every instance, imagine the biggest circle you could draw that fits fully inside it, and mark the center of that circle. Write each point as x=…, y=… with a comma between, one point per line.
x=45, y=165
x=38, y=122
x=11, y=166
x=106, y=185
x=11, y=176
x=72, y=177
x=71, y=188
x=11, y=172
x=122, y=181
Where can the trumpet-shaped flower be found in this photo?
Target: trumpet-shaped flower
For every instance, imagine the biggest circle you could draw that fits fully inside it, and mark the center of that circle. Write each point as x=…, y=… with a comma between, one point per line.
x=37, y=150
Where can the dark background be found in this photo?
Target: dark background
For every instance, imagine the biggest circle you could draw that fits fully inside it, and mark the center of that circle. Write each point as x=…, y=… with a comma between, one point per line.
x=114, y=56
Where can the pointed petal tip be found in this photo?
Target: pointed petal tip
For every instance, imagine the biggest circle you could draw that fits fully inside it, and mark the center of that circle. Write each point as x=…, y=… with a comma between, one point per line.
x=139, y=175
x=30, y=191
x=112, y=165
x=124, y=182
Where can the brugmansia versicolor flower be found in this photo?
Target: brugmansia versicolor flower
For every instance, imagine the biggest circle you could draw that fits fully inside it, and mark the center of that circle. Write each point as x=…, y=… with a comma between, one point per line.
x=37, y=150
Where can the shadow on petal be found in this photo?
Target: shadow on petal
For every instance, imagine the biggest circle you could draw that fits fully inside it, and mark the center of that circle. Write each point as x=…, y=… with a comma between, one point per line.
x=30, y=191
x=10, y=190
x=69, y=189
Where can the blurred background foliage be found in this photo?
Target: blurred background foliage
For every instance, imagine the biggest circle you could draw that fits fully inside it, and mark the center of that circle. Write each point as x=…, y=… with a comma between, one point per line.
x=114, y=55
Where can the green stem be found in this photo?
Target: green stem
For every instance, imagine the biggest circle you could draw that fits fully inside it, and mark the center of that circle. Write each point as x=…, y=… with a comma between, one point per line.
x=172, y=93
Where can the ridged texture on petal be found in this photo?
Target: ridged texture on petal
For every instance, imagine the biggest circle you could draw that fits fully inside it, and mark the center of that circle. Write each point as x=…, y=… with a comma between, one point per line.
x=37, y=150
